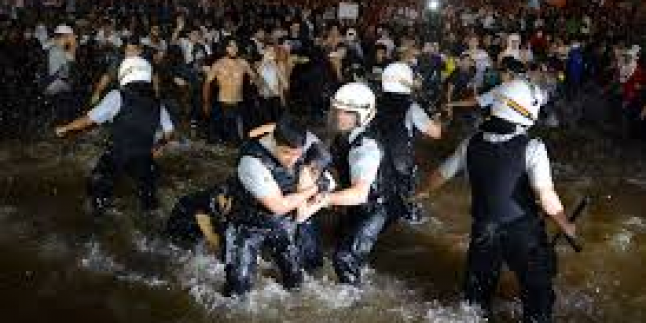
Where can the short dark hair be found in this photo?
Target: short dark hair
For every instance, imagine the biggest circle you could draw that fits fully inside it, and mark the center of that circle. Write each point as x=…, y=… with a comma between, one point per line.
x=290, y=132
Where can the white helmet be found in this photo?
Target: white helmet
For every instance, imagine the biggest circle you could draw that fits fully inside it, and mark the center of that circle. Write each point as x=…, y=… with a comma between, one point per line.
x=63, y=30
x=397, y=78
x=135, y=69
x=518, y=101
x=356, y=97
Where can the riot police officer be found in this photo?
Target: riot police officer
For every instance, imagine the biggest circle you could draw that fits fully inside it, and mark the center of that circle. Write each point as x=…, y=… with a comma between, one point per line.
x=511, y=182
x=136, y=118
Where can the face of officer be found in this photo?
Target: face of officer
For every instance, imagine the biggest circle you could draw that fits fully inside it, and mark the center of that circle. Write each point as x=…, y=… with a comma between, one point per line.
x=288, y=156
x=344, y=120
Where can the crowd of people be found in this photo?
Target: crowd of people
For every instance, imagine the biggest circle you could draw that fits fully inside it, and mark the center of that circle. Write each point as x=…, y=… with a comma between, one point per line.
x=265, y=77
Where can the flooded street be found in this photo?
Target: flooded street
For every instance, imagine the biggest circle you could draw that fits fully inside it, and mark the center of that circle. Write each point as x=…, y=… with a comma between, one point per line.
x=58, y=263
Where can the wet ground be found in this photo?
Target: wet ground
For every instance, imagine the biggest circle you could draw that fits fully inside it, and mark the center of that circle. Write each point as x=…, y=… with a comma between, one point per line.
x=57, y=264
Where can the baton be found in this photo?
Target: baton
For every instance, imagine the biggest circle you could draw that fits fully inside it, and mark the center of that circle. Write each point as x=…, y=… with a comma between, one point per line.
x=578, y=211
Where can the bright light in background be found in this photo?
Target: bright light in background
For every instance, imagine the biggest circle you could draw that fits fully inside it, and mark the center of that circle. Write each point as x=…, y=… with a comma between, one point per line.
x=433, y=5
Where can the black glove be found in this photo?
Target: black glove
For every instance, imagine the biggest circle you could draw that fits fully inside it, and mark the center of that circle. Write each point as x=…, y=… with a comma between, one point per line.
x=324, y=184
x=318, y=156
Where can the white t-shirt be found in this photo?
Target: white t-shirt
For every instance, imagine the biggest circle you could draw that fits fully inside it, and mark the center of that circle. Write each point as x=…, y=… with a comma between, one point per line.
x=537, y=163
x=482, y=62
x=269, y=74
x=110, y=106
x=256, y=177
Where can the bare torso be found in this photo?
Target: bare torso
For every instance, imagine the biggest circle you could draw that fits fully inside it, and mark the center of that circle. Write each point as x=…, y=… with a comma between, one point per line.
x=230, y=76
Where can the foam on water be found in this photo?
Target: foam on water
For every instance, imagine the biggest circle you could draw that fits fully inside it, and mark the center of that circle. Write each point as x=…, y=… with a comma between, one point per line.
x=622, y=240
x=461, y=313
x=96, y=260
x=635, y=224
x=319, y=298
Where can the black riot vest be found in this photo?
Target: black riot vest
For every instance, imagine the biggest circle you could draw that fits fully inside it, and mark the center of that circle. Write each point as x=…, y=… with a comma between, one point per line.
x=133, y=128
x=391, y=122
x=499, y=182
x=249, y=210
x=379, y=190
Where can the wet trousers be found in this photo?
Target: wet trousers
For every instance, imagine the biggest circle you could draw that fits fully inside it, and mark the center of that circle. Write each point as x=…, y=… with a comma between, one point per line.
x=362, y=228
x=308, y=242
x=523, y=246
x=405, y=178
x=143, y=170
x=244, y=244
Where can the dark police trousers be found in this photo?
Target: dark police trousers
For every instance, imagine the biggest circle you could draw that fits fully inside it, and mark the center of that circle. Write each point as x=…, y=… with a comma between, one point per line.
x=404, y=176
x=308, y=241
x=362, y=228
x=142, y=169
x=523, y=246
x=245, y=242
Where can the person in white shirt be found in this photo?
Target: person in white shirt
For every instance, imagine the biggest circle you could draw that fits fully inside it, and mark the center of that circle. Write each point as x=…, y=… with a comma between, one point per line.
x=274, y=83
x=481, y=59
x=399, y=120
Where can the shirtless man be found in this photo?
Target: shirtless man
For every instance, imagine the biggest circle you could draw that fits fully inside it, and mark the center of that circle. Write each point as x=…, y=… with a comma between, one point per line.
x=229, y=72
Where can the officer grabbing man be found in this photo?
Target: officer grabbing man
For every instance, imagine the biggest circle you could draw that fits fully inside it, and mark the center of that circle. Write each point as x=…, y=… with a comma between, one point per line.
x=135, y=117
x=511, y=183
x=364, y=186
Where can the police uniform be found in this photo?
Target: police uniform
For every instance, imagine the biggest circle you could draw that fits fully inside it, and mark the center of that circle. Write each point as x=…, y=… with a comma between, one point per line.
x=253, y=227
x=504, y=169
x=398, y=119
x=134, y=122
x=359, y=156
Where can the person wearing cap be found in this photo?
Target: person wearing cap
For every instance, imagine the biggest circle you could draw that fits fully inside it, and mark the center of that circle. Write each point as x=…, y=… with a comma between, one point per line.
x=269, y=180
x=511, y=183
x=61, y=56
x=399, y=119
x=136, y=118
x=364, y=180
